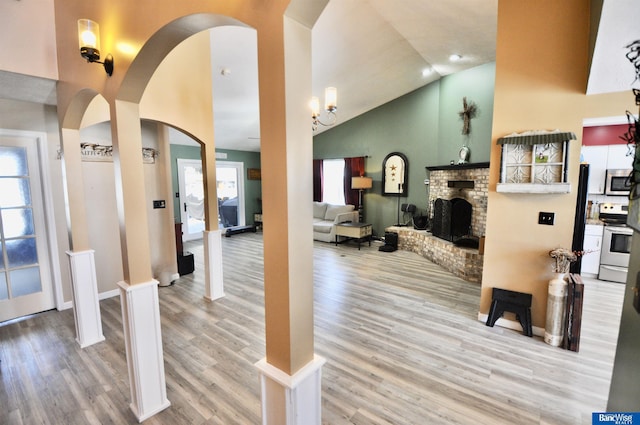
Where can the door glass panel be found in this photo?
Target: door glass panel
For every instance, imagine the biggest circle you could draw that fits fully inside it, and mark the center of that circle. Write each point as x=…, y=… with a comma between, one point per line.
x=194, y=198
x=227, y=185
x=17, y=222
x=15, y=192
x=25, y=281
x=3, y=287
x=13, y=161
x=21, y=252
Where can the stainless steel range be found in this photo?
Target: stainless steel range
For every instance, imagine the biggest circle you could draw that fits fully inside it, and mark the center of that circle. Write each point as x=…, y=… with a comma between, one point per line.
x=616, y=243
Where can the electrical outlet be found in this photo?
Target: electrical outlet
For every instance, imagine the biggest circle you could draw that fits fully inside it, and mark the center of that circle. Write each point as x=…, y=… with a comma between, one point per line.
x=546, y=218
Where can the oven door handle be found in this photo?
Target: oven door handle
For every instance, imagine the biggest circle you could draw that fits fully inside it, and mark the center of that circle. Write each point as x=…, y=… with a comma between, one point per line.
x=614, y=268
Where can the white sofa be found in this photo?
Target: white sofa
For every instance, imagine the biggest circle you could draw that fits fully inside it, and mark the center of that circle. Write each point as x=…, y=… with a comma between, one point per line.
x=326, y=215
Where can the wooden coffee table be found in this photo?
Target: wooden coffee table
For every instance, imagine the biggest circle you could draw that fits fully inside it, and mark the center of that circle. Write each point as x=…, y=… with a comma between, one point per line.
x=358, y=231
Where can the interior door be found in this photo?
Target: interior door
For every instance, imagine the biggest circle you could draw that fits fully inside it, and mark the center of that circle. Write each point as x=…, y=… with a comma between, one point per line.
x=26, y=286
x=191, y=191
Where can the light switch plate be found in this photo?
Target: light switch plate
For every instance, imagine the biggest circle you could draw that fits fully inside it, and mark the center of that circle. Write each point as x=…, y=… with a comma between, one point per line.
x=546, y=218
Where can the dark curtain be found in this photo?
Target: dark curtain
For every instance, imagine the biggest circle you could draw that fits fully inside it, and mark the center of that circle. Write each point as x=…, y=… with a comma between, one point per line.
x=353, y=167
x=317, y=180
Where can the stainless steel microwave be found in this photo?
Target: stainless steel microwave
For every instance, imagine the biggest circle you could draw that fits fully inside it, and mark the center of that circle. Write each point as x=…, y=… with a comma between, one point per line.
x=618, y=182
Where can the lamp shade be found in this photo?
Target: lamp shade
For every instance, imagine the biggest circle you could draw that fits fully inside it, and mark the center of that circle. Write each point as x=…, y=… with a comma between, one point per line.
x=361, y=182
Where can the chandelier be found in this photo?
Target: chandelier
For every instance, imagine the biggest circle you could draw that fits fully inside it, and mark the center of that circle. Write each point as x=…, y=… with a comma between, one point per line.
x=330, y=105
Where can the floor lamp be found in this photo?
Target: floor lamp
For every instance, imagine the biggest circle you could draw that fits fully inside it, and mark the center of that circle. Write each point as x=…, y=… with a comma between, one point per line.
x=361, y=183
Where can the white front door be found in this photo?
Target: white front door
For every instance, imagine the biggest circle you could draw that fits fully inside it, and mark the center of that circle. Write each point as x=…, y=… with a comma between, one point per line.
x=25, y=282
x=191, y=191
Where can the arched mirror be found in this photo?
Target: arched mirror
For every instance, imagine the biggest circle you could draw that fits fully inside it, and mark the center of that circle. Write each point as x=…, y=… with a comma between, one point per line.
x=395, y=177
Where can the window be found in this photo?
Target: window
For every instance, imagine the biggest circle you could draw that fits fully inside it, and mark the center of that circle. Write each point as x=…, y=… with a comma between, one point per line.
x=333, y=185
x=542, y=163
x=535, y=162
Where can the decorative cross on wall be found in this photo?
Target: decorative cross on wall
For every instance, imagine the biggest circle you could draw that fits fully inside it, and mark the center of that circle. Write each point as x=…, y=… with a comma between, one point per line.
x=469, y=111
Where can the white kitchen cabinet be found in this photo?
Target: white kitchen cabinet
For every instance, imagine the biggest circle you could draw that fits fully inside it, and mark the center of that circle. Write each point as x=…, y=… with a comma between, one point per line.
x=592, y=245
x=617, y=157
x=596, y=157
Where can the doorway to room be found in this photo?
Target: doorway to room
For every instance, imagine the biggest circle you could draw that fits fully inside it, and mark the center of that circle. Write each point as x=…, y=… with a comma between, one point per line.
x=230, y=190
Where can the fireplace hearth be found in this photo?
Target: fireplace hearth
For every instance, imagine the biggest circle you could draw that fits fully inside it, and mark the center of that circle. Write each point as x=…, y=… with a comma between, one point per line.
x=451, y=219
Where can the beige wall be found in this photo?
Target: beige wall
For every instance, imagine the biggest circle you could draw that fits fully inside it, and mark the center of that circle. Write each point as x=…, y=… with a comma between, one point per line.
x=100, y=202
x=540, y=80
x=28, y=42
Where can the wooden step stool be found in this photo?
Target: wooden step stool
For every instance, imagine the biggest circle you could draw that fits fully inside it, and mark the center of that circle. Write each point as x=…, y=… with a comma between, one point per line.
x=514, y=302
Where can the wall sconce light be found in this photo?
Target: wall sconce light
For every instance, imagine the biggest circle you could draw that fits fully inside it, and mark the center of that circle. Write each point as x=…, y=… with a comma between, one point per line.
x=89, y=40
x=330, y=105
x=361, y=183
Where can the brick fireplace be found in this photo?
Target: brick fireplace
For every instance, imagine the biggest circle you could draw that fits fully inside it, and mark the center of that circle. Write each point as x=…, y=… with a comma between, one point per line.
x=439, y=187
x=471, y=183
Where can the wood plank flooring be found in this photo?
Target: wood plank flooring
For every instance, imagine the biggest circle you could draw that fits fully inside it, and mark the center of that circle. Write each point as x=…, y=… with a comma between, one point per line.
x=400, y=334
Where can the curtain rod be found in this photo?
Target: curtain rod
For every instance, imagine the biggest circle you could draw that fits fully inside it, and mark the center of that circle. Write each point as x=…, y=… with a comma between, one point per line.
x=345, y=157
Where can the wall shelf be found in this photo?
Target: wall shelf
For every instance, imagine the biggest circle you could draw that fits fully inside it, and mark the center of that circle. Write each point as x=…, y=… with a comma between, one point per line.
x=465, y=166
x=546, y=188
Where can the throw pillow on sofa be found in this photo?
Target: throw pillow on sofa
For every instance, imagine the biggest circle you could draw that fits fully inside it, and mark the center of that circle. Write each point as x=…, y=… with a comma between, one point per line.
x=334, y=210
x=319, y=209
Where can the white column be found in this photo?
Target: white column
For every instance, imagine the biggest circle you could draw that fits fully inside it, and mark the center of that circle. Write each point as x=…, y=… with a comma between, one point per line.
x=291, y=399
x=86, y=304
x=213, y=283
x=143, y=343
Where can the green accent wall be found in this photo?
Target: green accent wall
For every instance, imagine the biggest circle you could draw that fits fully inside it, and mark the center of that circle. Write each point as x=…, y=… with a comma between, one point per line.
x=425, y=126
x=252, y=188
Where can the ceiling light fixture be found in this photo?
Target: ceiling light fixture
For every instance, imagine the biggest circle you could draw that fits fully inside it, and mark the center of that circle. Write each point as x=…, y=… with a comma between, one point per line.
x=89, y=40
x=330, y=105
x=455, y=57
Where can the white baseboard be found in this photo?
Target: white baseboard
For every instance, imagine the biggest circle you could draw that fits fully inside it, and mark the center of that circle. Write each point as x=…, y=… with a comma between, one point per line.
x=101, y=296
x=109, y=294
x=511, y=324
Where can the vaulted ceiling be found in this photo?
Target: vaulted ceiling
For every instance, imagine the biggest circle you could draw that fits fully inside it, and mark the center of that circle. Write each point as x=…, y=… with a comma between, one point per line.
x=374, y=51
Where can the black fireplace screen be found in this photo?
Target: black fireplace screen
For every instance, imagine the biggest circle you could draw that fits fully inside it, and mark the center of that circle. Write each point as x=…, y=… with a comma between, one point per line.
x=451, y=218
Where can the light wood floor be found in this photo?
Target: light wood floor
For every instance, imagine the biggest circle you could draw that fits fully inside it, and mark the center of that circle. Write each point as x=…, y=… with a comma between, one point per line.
x=401, y=337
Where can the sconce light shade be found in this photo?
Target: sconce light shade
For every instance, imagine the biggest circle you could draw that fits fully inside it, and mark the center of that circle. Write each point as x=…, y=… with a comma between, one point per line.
x=361, y=182
x=89, y=41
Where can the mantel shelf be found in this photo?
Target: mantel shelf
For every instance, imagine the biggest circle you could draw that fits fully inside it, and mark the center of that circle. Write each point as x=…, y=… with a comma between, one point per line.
x=465, y=166
x=534, y=188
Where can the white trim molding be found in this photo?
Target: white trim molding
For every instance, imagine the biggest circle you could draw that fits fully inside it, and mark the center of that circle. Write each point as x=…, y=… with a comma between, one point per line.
x=143, y=343
x=291, y=399
x=615, y=120
x=84, y=292
x=213, y=278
